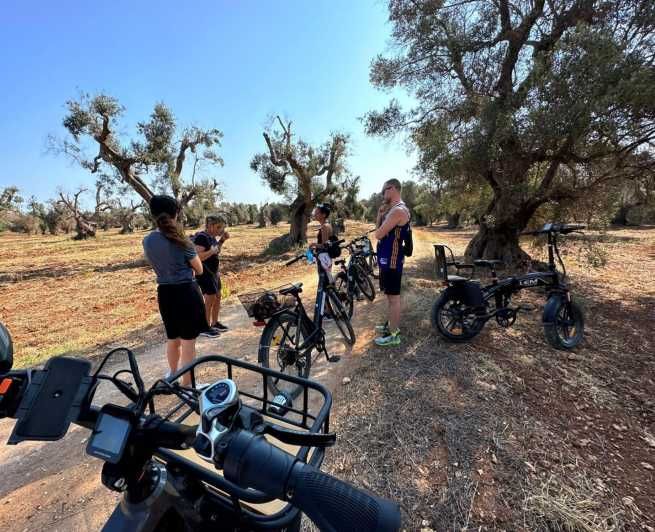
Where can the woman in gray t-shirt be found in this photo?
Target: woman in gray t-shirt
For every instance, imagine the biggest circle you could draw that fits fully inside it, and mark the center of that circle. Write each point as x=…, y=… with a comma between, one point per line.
x=174, y=259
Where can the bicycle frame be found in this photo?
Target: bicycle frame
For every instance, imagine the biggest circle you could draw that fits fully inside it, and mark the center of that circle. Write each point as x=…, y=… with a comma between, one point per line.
x=315, y=325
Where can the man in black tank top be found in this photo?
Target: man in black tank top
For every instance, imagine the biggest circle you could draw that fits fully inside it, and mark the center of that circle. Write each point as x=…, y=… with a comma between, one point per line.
x=392, y=226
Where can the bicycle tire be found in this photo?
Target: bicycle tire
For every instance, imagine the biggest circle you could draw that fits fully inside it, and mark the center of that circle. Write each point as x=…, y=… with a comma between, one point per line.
x=341, y=284
x=440, y=310
x=339, y=315
x=270, y=336
x=372, y=264
x=364, y=282
x=568, y=317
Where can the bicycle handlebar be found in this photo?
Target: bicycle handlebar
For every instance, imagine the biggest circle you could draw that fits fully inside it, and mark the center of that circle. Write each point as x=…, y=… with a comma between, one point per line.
x=332, y=504
x=315, y=251
x=250, y=461
x=555, y=228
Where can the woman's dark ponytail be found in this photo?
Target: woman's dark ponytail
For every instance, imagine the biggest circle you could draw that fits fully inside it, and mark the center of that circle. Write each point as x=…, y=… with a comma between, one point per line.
x=172, y=230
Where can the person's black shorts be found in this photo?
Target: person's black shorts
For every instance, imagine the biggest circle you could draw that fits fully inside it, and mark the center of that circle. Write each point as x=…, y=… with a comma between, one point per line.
x=390, y=281
x=210, y=284
x=182, y=309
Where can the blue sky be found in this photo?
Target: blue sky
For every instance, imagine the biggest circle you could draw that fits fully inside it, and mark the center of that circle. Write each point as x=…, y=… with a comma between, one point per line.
x=224, y=64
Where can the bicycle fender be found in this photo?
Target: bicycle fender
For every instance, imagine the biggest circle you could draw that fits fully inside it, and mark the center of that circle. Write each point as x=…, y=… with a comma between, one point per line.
x=550, y=309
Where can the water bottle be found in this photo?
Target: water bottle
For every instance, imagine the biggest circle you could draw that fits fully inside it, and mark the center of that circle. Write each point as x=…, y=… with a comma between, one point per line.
x=310, y=256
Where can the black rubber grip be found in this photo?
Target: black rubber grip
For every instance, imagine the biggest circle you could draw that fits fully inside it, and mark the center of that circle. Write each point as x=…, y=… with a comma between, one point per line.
x=335, y=505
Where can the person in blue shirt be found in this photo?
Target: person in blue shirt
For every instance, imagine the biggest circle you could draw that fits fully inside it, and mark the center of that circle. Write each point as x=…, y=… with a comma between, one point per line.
x=175, y=261
x=392, y=230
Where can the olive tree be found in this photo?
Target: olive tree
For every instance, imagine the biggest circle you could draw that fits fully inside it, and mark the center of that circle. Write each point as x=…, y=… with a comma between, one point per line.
x=542, y=100
x=294, y=168
x=156, y=158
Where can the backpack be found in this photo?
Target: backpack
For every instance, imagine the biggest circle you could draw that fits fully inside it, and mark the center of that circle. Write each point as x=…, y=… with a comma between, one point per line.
x=408, y=243
x=333, y=248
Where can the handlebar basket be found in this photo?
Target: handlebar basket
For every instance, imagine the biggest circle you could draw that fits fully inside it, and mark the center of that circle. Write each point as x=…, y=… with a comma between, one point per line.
x=262, y=304
x=309, y=412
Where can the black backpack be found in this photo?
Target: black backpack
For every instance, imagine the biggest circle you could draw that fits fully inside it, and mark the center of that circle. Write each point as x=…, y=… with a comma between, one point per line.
x=333, y=248
x=408, y=243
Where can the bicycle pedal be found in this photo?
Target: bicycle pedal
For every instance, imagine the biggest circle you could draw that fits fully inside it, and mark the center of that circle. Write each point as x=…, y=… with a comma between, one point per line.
x=332, y=358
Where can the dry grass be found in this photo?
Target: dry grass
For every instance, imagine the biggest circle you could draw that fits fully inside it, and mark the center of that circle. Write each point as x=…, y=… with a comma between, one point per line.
x=569, y=503
x=60, y=296
x=505, y=432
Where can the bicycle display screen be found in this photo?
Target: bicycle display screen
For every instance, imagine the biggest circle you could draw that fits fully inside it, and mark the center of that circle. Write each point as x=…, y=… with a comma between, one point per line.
x=109, y=437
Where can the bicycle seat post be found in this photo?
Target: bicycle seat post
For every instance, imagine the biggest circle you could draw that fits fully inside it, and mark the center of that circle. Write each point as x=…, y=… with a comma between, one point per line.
x=494, y=276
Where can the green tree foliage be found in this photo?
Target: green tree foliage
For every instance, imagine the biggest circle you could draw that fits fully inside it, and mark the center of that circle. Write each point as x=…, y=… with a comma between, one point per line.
x=295, y=169
x=544, y=101
x=10, y=204
x=156, y=159
x=276, y=213
x=344, y=200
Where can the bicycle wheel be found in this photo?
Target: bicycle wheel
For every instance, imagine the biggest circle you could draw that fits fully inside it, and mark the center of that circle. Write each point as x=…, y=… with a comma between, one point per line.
x=372, y=264
x=341, y=284
x=454, y=320
x=278, y=350
x=567, y=329
x=364, y=282
x=339, y=314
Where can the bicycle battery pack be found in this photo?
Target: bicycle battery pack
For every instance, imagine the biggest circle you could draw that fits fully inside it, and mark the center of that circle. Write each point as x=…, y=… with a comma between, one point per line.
x=52, y=400
x=469, y=292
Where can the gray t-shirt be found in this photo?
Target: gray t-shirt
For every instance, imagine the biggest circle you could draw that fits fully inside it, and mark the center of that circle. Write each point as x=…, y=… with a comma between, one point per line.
x=170, y=261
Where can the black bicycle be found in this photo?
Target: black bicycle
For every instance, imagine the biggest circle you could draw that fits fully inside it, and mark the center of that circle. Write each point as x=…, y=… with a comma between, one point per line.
x=369, y=256
x=216, y=458
x=290, y=336
x=464, y=307
x=353, y=279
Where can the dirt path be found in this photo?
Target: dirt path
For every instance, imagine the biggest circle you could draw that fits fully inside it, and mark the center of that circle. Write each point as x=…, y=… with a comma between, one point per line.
x=56, y=486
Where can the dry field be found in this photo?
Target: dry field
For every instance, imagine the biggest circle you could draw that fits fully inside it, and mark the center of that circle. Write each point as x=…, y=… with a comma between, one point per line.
x=61, y=296
x=502, y=433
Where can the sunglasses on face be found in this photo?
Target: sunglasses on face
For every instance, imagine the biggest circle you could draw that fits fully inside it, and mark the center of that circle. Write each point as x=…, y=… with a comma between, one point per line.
x=386, y=188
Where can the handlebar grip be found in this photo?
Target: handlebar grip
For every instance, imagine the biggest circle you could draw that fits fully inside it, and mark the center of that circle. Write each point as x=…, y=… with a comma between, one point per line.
x=252, y=462
x=335, y=505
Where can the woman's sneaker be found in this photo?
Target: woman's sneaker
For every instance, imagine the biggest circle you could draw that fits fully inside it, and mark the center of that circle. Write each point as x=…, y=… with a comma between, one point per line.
x=222, y=328
x=211, y=333
x=392, y=338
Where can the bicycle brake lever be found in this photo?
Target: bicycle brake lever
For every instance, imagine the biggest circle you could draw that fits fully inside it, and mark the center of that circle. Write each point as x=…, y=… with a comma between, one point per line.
x=293, y=437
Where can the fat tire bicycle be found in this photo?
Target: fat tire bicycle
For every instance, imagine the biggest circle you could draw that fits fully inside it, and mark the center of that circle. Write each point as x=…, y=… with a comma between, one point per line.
x=464, y=307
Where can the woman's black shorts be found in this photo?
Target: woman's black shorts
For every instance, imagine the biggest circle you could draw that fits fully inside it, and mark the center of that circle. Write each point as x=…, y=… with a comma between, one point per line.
x=182, y=309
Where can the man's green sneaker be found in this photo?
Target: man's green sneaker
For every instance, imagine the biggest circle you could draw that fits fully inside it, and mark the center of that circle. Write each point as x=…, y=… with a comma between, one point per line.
x=389, y=338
